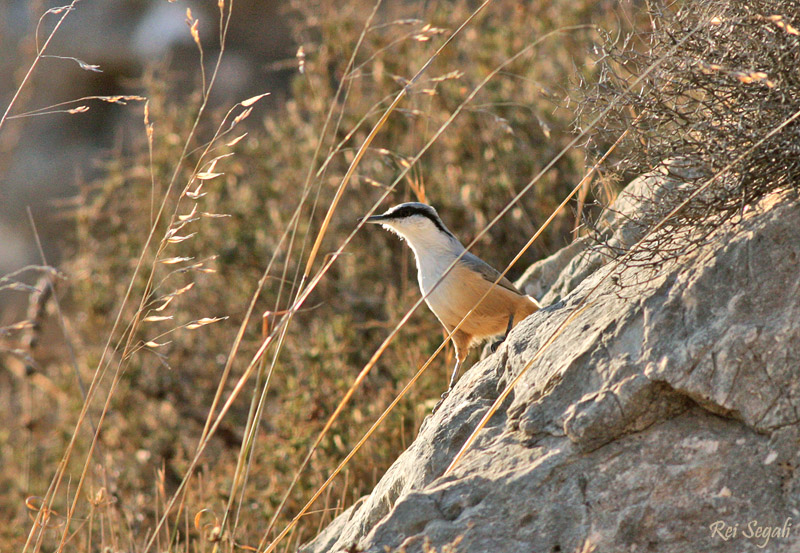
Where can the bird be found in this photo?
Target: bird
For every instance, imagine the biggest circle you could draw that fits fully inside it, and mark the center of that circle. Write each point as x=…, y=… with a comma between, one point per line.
x=452, y=297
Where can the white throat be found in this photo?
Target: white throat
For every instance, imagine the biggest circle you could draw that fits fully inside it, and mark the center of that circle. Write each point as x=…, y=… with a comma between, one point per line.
x=434, y=251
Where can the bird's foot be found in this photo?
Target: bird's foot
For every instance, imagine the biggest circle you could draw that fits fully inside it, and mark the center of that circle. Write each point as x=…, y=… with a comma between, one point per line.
x=502, y=339
x=438, y=403
x=496, y=344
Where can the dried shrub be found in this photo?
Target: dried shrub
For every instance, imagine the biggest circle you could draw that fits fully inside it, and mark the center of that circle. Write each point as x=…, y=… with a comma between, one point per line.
x=724, y=75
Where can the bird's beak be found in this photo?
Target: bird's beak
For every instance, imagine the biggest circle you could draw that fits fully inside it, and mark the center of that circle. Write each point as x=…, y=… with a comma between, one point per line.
x=376, y=219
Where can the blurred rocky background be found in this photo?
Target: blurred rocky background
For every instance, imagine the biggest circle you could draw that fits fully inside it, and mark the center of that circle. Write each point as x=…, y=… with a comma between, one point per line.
x=44, y=158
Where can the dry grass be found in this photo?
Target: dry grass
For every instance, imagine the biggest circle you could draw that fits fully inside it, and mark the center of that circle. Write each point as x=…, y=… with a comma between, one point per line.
x=186, y=256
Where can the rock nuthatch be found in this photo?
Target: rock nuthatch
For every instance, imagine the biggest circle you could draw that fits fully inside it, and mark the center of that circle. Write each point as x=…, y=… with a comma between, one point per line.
x=452, y=297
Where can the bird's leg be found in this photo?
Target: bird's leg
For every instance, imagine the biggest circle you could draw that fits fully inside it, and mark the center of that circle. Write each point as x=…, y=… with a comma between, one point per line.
x=508, y=330
x=453, y=378
x=461, y=342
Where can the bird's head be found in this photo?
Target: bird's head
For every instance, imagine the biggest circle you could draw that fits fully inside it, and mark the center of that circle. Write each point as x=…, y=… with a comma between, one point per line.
x=416, y=222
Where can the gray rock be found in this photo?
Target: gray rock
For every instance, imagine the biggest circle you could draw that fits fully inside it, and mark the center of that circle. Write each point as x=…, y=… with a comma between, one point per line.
x=551, y=279
x=540, y=277
x=663, y=417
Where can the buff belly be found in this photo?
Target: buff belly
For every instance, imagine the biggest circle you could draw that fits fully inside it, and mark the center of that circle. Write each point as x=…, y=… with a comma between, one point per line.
x=457, y=295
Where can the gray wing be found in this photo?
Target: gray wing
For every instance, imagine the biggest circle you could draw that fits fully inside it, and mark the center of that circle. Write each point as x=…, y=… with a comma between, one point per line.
x=487, y=272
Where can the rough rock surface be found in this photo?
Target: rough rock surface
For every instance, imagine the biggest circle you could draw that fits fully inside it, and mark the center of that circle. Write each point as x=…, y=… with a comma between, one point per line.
x=664, y=416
